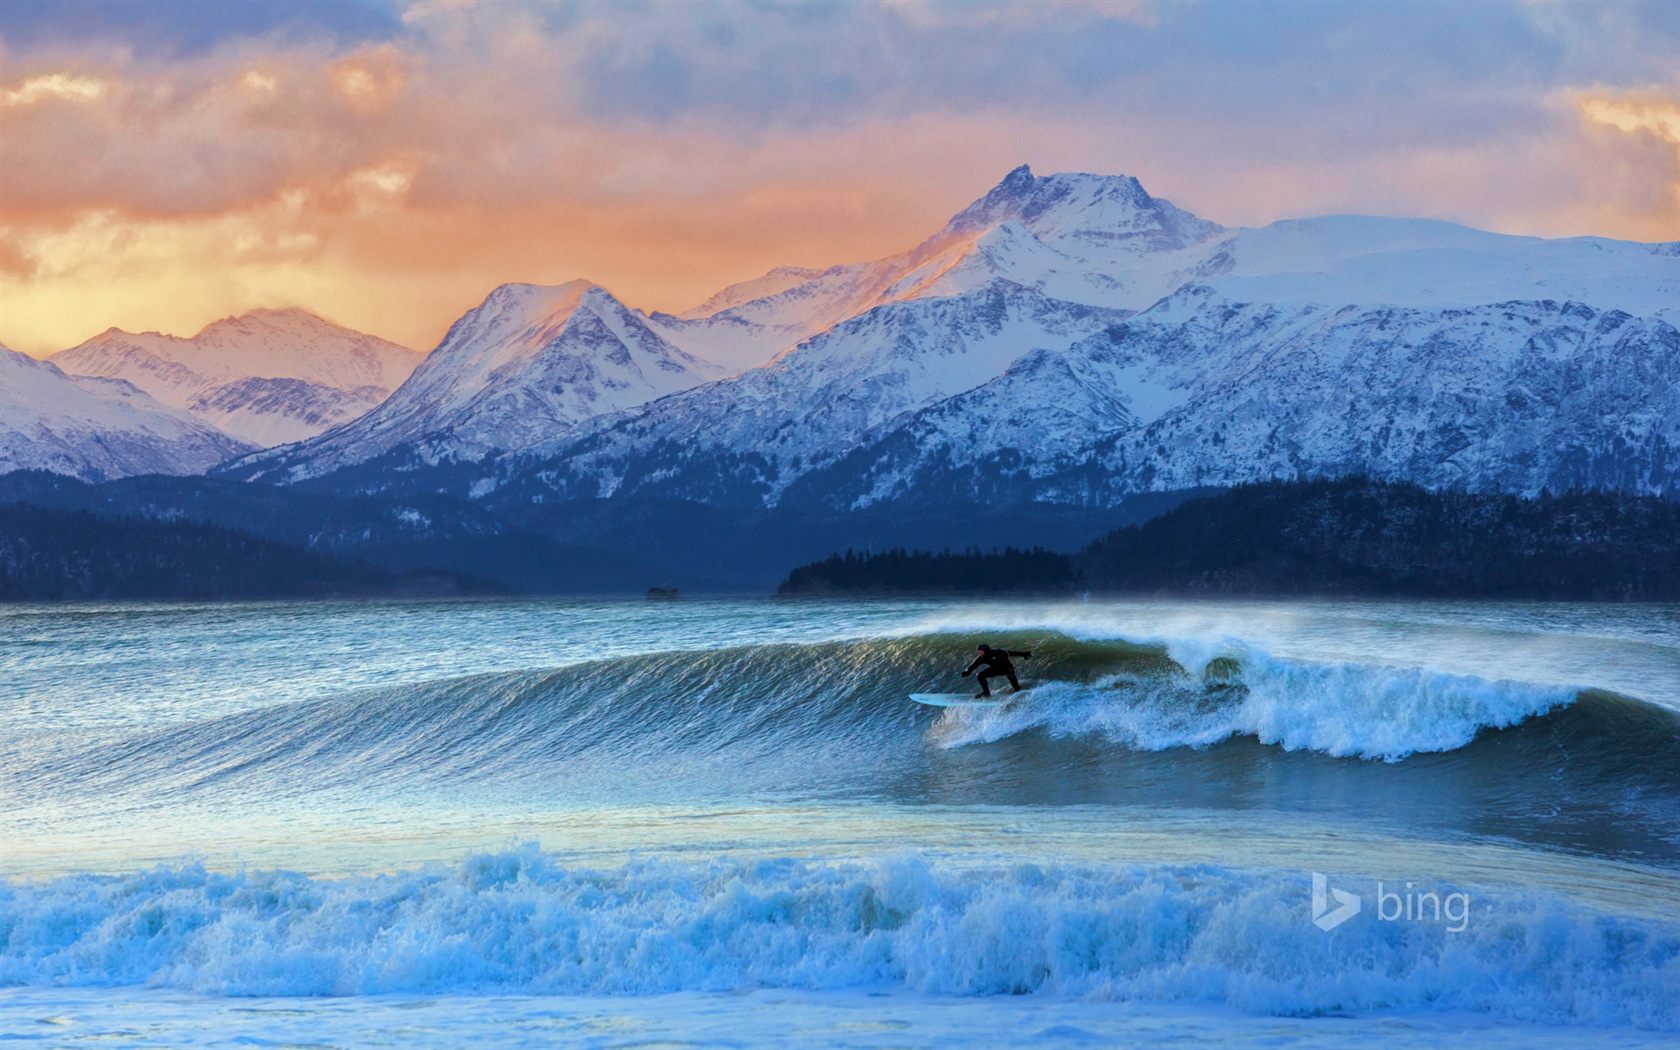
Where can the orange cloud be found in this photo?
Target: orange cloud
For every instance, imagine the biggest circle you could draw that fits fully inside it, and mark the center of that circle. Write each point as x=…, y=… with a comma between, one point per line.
x=66, y=86
x=390, y=186
x=1648, y=155
x=401, y=246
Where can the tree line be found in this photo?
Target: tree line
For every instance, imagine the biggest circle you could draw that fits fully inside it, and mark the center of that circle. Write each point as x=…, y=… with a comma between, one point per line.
x=58, y=555
x=1347, y=536
x=900, y=571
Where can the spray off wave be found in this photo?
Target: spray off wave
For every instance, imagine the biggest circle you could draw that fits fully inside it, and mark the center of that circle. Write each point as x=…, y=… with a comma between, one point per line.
x=1343, y=710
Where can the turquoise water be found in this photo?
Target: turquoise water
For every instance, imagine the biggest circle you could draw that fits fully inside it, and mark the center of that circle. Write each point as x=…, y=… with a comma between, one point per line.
x=661, y=813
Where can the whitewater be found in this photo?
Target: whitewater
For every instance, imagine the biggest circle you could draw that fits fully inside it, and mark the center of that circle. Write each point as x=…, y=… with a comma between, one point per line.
x=721, y=822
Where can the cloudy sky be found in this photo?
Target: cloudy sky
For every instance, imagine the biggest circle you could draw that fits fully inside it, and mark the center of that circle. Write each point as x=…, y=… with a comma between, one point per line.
x=385, y=164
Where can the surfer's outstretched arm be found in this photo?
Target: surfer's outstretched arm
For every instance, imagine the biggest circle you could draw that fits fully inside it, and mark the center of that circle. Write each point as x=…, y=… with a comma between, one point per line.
x=978, y=660
x=1025, y=654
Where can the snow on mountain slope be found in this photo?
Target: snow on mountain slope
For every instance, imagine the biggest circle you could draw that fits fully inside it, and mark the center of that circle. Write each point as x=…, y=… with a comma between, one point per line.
x=96, y=429
x=1348, y=259
x=1038, y=417
x=733, y=344
x=269, y=412
x=748, y=437
x=524, y=366
x=1068, y=236
x=1514, y=396
x=265, y=377
x=778, y=280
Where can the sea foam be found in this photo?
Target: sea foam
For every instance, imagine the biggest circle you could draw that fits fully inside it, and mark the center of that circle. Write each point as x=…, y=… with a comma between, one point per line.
x=521, y=921
x=1345, y=710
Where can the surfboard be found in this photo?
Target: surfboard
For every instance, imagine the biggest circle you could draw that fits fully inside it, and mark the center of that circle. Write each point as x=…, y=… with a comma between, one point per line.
x=958, y=700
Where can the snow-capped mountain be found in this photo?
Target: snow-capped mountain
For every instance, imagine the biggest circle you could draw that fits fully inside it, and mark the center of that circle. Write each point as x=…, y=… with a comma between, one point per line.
x=96, y=429
x=1066, y=339
x=748, y=437
x=858, y=345
x=523, y=367
x=1071, y=237
x=1513, y=397
x=1103, y=240
x=1310, y=346
x=265, y=377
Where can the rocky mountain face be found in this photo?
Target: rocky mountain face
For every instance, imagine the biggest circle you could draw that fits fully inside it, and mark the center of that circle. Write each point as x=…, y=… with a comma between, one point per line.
x=1512, y=397
x=265, y=378
x=96, y=429
x=1515, y=397
x=748, y=438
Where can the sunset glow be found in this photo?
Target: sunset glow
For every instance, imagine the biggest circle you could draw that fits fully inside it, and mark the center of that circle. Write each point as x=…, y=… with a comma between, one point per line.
x=387, y=169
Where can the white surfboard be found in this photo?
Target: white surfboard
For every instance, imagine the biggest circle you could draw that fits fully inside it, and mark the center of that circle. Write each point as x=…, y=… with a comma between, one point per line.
x=958, y=700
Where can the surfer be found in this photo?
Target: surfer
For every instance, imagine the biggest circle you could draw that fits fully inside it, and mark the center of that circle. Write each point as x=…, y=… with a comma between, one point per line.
x=996, y=663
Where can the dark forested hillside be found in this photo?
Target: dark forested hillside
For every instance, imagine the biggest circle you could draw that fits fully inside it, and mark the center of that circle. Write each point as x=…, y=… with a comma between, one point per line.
x=418, y=533
x=196, y=537
x=1360, y=537
x=1009, y=571
x=579, y=547
x=51, y=555
x=1351, y=536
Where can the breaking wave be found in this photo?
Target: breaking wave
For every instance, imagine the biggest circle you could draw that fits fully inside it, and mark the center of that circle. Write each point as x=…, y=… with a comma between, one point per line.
x=1344, y=710
x=520, y=921
x=1106, y=721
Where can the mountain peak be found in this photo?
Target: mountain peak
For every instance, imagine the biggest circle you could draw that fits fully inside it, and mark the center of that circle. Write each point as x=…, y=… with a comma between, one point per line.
x=278, y=313
x=541, y=301
x=264, y=376
x=1024, y=196
x=1017, y=181
x=519, y=369
x=96, y=428
x=267, y=319
x=1081, y=206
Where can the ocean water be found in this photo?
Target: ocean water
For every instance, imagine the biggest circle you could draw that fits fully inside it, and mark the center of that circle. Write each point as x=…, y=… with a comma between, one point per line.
x=722, y=823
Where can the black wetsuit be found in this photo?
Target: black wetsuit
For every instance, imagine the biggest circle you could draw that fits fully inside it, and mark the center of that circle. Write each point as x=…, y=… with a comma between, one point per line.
x=997, y=663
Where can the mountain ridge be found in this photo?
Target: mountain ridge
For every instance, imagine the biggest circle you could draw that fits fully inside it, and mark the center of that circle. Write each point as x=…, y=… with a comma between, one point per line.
x=1066, y=339
x=524, y=365
x=96, y=428
x=264, y=377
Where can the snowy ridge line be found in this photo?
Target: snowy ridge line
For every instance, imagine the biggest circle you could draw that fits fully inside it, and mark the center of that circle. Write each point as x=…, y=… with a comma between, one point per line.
x=522, y=921
x=265, y=377
x=96, y=429
x=524, y=366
